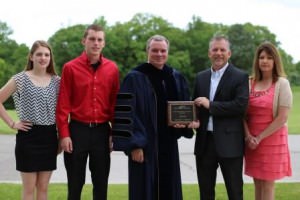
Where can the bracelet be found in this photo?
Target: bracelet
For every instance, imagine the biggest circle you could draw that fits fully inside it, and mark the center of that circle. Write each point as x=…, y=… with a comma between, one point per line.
x=12, y=125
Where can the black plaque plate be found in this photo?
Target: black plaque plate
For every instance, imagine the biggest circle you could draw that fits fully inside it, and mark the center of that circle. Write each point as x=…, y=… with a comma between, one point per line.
x=181, y=112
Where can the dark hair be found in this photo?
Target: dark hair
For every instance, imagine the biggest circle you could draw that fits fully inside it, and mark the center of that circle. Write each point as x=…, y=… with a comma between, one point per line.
x=271, y=50
x=40, y=43
x=94, y=27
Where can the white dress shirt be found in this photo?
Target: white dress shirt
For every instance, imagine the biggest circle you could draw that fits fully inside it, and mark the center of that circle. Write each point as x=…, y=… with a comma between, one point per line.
x=214, y=82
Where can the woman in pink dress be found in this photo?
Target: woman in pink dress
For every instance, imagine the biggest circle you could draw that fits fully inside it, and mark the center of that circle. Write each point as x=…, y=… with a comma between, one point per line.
x=267, y=156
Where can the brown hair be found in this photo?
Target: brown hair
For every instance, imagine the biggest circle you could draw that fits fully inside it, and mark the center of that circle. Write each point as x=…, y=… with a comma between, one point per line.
x=94, y=27
x=270, y=49
x=40, y=43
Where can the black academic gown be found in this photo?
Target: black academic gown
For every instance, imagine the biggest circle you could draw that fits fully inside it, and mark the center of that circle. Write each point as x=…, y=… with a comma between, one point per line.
x=159, y=176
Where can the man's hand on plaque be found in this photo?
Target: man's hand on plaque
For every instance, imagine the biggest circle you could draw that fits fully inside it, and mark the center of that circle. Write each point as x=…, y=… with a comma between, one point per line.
x=193, y=124
x=179, y=125
x=202, y=101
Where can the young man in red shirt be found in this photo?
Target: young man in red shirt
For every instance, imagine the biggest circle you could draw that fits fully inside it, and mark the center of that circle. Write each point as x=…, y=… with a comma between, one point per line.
x=87, y=96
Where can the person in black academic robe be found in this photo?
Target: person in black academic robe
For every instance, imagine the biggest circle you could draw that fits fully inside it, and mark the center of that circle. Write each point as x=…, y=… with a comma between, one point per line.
x=152, y=149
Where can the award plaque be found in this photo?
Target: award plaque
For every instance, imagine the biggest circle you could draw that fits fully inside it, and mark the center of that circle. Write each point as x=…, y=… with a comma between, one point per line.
x=181, y=112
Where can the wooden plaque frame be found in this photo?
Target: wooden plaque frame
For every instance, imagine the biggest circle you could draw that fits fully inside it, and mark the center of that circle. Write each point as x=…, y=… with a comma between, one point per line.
x=181, y=112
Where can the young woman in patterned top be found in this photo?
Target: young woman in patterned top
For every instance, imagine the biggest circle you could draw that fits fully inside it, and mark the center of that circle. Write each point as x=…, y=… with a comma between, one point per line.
x=34, y=91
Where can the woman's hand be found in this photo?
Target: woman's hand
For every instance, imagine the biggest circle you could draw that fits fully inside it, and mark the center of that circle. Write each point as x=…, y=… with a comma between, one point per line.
x=22, y=125
x=252, y=141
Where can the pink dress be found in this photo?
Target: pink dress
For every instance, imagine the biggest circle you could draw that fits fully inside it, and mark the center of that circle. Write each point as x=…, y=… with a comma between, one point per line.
x=271, y=159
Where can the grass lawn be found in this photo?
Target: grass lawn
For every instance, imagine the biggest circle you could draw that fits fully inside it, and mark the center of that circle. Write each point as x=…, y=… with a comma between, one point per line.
x=294, y=117
x=284, y=191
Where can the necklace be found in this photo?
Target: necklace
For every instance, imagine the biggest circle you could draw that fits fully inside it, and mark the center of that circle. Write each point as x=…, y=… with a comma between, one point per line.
x=259, y=93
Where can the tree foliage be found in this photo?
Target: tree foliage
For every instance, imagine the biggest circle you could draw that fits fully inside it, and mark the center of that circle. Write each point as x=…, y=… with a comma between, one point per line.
x=126, y=43
x=244, y=40
x=12, y=57
x=198, y=35
x=66, y=44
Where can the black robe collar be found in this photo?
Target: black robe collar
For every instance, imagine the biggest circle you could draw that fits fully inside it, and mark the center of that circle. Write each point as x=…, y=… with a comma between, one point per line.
x=162, y=80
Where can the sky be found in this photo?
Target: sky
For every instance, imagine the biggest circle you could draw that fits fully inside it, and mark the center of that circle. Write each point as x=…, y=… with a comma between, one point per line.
x=35, y=19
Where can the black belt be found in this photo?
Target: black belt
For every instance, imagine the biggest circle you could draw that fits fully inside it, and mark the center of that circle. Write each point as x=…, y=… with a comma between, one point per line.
x=209, y=132
x=89, y=124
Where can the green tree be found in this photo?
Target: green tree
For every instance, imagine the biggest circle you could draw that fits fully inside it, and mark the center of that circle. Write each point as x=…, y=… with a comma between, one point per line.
x=102, y=22
x=289, y=66
x=244, y=40
x=66, y=44
x=7, y=46
x=5, y=31
x=126, y=42
x=12, y=57
x=13, y=54
x=2, y=72
x=122, y=46
x=198, y=34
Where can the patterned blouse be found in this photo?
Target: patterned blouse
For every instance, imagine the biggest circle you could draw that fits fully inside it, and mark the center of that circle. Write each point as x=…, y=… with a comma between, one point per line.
x=33, y=103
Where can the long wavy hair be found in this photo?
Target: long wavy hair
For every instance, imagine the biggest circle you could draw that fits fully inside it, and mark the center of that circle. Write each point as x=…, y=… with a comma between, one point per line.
x=270, y=49
x=40, y=43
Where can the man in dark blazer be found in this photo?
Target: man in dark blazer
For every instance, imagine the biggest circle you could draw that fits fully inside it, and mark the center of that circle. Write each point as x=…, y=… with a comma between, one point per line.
x=221, y=96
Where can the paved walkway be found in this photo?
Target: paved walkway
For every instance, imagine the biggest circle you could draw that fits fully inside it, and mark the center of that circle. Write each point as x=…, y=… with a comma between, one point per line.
x=118, y=172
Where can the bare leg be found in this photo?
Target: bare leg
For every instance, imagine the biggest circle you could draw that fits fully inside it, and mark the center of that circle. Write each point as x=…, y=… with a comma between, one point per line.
x=28, y=182
x=268, y=190
x=258, y=189
x=43, y=179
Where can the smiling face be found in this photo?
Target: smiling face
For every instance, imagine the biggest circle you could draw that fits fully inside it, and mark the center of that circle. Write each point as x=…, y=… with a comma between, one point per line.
x=219, y=53
x=41, y=58
x=158, y=53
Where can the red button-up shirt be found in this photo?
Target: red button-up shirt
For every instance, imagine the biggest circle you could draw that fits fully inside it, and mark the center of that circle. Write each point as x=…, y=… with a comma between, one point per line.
x=86, y=95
